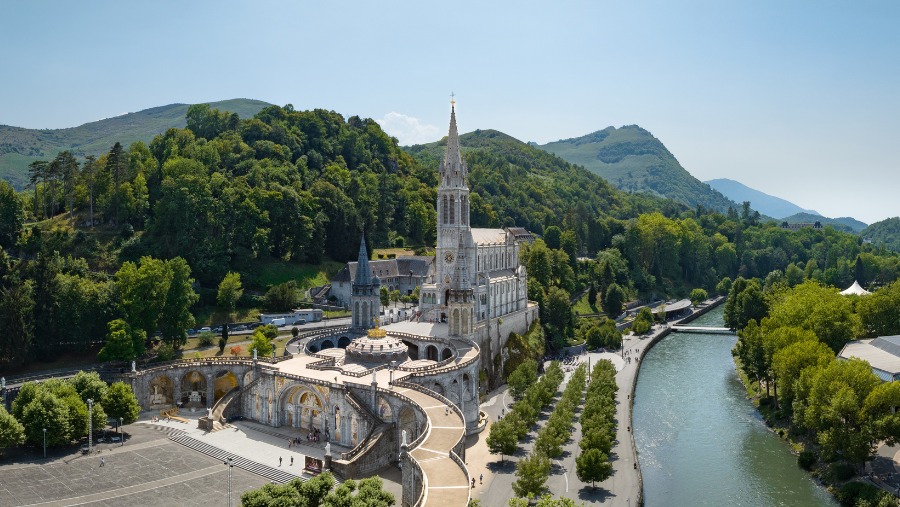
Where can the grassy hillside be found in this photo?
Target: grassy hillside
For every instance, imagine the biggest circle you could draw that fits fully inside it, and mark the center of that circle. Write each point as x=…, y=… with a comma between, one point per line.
x=846, y=224
x=764, y=203
x=20, y=146
x=633, y=160
x=886, y=232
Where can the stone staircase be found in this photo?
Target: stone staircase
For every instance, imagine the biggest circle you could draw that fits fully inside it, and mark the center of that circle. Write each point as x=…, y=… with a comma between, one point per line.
x=273, y=474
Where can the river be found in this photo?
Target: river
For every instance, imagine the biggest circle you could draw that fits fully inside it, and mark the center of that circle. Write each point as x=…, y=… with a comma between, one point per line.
x=700, y=440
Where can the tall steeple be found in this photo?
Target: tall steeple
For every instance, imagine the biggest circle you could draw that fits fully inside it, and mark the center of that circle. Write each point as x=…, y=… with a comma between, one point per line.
x=453, y=168
x=363, y=273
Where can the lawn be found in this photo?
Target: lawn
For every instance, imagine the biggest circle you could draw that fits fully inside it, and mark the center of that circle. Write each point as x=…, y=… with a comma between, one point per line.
x=268, y=273
x=192, y=350
x=383, y=253
x=212, y=315
x=582, y=307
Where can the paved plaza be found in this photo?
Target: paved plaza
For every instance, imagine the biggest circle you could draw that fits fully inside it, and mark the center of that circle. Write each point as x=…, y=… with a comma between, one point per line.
x=156, y=472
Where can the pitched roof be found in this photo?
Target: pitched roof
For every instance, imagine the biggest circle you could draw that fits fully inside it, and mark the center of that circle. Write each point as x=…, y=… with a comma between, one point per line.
x=488, y=236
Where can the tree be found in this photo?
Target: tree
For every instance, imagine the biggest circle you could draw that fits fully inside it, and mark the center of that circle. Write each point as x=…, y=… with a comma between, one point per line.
x=282, y=296
x=522, y=377
x=89, y=173
x=698, y=296
x=613, y=300
x=11, y=215
x=384, y=296
x=230, y=291
x=369, y=493
x=46, y=411
x=879, y=313
x=116, y=164
x=123, y=343
x=819, y=309
x=37, y=172
x=89, y=385
x=553, y=237
x=593, y=466
x=502, y=439
x=531, y=475
x=119, y=401
x=11, y=431
x=262, y=343
x=177, y=317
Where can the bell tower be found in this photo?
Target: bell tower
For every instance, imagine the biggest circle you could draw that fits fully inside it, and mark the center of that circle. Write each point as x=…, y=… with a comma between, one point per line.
x=454, y=234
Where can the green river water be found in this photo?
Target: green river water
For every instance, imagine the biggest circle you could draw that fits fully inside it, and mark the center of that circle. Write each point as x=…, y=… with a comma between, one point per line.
x=700, y=440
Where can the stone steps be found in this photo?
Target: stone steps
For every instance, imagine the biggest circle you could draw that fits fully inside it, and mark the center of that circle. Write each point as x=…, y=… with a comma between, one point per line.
x=273, y=474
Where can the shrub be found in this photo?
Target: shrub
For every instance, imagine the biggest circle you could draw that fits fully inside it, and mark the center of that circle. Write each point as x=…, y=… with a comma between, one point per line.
x=851, y=493
x=806, y=460
x=205, y=339
x=165, y=352
x=222, y=343
x=841, y=471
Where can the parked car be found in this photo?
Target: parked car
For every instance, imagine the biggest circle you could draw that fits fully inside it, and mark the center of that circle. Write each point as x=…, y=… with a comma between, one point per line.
x=205, y=329
x=239, y=327
x=300, y=322
x=191, y=332
x=217, y=329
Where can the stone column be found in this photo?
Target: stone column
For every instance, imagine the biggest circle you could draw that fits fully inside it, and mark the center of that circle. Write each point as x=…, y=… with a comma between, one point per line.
x=210, y=390
x=176, y=389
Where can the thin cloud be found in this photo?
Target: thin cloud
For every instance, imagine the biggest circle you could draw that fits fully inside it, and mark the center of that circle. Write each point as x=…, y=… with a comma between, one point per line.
x=408, y=129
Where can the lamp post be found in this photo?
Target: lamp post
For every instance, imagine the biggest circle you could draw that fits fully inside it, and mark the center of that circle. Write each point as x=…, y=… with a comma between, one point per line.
x=90, y=424
x=45, y=443
x=121, y=433
x=228, y=462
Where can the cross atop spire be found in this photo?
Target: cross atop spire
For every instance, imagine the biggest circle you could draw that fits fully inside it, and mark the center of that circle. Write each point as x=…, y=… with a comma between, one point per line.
x=452, y=158
x=452, y=99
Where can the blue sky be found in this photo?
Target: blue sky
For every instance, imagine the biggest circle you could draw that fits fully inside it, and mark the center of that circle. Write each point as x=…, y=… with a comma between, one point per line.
x=800, y=99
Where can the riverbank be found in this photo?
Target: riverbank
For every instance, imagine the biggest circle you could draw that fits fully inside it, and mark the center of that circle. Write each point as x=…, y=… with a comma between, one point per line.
x=636, y=347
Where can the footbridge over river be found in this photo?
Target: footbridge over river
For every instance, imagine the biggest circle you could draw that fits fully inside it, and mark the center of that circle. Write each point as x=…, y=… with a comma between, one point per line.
x=679, y=328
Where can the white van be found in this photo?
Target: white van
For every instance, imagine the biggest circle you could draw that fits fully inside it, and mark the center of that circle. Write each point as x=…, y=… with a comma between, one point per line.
x=278, y=322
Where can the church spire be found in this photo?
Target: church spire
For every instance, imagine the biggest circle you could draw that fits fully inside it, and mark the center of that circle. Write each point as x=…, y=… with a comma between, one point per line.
x=363, y=273
x=452, y=159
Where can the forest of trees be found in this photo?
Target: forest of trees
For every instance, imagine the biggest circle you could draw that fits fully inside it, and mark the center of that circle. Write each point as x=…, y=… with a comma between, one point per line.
x=225, y=194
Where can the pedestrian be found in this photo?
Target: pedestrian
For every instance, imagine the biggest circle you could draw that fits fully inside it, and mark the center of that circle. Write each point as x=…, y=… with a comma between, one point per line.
x=473, y=483
x=292, y=461
x=446, y=410
x=102, y=462
x=481, y=479
x=279, y=460
x=290, y=442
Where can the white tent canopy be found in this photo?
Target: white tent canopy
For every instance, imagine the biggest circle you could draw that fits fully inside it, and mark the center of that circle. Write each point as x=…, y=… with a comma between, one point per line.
x=855, y=289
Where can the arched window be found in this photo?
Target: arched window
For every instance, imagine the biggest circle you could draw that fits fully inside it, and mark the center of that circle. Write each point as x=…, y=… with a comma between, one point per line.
x=444, y=214
x=452, y=210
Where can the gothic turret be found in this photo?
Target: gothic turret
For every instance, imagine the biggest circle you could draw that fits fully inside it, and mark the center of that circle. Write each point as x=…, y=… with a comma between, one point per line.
x=365, y=300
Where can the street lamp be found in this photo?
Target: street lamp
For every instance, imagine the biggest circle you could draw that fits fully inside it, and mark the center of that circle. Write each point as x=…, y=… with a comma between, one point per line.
x=229, y=463
x=90, y=424
x=45, y=443
x=121, y=433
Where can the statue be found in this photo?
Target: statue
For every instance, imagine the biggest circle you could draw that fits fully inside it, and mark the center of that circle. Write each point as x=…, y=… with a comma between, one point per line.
x=208, y=411
x=403, y=441
x=133, y=367
x=328, y=448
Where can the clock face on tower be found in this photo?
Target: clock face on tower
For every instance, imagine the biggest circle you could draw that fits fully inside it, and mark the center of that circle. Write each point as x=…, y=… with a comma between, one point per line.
x=449, y=257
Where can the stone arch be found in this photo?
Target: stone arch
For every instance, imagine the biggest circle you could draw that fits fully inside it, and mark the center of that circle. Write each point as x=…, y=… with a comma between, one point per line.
x=467, y=383
x=453, y=392
x=343, y=341
x=385, y=412
x=412, y=349
x=454, y=323
x=446, y=354
x=327, y=344
x=438, y=388
x=302, y=407
x=313, y=348
x=431, y=352
x=223, y=382
x=406, y=421
x=162, y=390
x=193, y=389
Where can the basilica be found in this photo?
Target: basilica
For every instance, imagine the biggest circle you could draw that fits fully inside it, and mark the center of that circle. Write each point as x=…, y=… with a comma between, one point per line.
x=406, y=393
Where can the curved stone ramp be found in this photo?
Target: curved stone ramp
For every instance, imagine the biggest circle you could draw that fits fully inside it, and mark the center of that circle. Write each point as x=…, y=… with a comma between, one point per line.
x=446, y=481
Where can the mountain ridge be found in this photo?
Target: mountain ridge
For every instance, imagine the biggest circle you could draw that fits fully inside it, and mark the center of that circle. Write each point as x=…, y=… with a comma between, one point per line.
x=633, y=160
x=766, y=204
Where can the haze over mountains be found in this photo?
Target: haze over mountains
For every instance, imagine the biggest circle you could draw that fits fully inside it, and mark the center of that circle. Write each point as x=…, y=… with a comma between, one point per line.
x=766, y=204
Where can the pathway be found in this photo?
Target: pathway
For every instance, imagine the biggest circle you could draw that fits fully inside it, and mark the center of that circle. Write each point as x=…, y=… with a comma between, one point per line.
x=446, y=483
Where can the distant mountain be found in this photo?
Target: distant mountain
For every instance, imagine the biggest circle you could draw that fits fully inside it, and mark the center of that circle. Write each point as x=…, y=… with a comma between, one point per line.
x=886, y=232
x=847, y=224
x=760, y=201
x=20, y=146
x=633, y=160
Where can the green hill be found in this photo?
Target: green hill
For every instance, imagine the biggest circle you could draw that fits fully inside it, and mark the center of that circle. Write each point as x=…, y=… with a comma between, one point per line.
x=633, y=160
x=885, y=232
x=524, y=186
x=847, y=224
x=20, y=146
